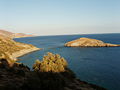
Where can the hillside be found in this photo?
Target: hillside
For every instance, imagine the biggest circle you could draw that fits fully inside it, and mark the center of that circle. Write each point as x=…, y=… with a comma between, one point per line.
x=13, y=35
x=6, y=33
x=14, y=49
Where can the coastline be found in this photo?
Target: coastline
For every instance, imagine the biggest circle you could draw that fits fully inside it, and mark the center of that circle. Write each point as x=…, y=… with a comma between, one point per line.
x=73, y=85
x=23, y=37
x=23, y=52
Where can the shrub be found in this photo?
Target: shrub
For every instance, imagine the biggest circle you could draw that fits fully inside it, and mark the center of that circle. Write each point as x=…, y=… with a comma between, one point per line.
x=51, y=63
x=36, y=66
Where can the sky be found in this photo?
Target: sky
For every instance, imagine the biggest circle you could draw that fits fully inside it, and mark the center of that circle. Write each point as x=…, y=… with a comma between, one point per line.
x=60, y=17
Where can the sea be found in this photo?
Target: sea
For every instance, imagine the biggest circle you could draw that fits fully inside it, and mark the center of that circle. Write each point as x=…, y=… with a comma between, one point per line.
x=96, y=65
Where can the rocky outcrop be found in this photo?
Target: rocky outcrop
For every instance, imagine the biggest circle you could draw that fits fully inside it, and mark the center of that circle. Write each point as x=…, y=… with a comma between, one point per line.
x=13, y=35
x=87, y=42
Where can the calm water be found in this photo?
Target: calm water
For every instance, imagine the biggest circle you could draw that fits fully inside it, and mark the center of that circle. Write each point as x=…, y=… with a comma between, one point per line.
x=99, y=66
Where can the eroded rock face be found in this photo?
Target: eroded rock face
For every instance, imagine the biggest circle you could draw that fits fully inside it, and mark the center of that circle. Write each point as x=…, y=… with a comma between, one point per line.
x=87, y=42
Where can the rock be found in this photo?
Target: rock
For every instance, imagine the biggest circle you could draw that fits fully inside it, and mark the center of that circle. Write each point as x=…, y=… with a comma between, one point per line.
x=87, y=42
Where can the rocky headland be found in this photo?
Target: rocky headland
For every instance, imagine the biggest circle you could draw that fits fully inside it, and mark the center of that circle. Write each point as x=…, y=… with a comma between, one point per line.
x=88, y=42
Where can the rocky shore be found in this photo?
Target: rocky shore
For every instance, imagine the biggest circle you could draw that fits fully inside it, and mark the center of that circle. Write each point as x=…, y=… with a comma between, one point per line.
x=88, y=42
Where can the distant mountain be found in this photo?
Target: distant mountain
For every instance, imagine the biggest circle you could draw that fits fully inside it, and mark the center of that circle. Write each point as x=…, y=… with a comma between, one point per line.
x=18, y=35
x=13, y=35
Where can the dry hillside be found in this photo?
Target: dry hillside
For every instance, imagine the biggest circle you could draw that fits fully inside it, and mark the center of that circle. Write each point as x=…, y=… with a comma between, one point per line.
x=14, y=49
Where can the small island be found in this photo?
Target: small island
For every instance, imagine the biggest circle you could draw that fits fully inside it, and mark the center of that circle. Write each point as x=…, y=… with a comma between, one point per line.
x=88, y=42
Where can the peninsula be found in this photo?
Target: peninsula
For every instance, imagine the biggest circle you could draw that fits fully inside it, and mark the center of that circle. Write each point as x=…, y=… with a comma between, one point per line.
x=88, y=42
x=14, y=35
x=14, y=49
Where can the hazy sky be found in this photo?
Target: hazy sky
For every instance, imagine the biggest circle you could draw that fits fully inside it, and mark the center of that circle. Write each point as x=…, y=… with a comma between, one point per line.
x=53, y=17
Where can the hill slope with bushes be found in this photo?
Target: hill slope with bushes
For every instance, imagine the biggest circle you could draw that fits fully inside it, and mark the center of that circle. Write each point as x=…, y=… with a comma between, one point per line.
x=14, y=49
x=52, y=73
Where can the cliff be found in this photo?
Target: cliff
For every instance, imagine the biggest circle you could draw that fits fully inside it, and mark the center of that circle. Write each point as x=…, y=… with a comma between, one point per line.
x=87, y=42
x=13, y=35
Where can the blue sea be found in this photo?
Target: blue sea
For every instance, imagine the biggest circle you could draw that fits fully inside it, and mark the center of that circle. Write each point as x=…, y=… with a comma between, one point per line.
x=100, y=66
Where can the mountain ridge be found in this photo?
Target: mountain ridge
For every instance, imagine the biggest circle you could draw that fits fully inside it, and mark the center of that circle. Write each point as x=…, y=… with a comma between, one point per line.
x=13, y=35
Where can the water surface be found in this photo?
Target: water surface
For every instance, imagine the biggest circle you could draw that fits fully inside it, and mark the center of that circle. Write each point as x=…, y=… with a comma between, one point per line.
x=99, y=66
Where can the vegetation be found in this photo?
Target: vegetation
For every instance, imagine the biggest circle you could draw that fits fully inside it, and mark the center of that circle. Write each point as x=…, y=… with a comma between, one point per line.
x=8, y=45
x=50, y=70
x=49, y=74
x=51, y=63
x=5, y=55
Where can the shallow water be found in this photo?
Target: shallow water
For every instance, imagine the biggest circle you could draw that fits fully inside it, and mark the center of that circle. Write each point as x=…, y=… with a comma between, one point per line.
x=99, y=66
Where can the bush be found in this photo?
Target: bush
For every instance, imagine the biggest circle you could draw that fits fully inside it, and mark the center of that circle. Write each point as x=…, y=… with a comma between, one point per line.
x=52, y=72
x=51, y=63
x=36, y=66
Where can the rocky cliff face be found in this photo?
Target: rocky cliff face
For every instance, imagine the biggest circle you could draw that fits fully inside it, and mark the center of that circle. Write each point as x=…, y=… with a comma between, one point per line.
x=87, y=42
x=13, y=35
